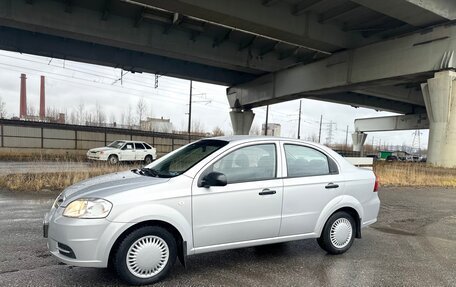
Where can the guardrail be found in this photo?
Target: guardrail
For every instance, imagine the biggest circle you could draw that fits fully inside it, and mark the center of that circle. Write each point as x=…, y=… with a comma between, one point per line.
x=363, y=162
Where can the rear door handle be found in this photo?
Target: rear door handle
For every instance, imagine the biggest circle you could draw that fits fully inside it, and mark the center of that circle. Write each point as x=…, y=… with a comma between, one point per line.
x=267, y=191
x=331, y=185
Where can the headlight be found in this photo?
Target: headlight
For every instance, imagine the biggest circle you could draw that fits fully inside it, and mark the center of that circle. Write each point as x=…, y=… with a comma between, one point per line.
x=88, y=208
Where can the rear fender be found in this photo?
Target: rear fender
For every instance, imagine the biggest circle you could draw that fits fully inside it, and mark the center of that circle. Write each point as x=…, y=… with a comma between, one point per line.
x=334, y=205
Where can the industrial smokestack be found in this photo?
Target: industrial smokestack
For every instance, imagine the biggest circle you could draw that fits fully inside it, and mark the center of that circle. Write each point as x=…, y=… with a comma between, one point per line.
x=42, y=100
x=23, y=100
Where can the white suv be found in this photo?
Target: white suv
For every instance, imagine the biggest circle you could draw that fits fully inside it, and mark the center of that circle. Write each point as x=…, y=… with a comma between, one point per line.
x=213, y=194
x=124, y=150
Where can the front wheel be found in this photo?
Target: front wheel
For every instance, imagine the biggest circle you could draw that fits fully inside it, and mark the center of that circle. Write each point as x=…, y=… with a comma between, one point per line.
x=145, y=256
x=338, y=234
x=113, y=159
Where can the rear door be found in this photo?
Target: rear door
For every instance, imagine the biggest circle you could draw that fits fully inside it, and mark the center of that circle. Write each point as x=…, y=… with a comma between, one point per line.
x=140, y=151
x=312, y=180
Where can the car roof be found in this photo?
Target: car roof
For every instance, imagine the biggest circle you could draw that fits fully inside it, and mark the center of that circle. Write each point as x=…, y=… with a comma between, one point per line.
x=248, y=138
x=130, y=141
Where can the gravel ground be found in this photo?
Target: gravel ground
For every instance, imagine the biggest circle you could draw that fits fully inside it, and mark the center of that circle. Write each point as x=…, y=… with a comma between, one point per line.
x=413, y=244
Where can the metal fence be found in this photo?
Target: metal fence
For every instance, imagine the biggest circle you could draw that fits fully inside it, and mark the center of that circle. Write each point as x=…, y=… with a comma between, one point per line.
x=27, y=134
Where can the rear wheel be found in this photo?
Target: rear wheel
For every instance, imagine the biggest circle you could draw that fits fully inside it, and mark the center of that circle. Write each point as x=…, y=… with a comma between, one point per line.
x=113, y=159
x=338, y=234
x=148, y=159
x=145, y=256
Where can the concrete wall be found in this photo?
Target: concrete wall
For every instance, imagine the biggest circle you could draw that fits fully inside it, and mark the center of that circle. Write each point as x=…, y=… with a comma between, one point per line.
x=47, y=136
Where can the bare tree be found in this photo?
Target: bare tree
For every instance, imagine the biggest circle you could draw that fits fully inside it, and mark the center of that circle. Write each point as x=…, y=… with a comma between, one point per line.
x=217, y=131
x=81, y=113
x=141, y=108
x=31, y=110
x=100, y=116
x=197, y=126
x=129, y=117
x=112, y=118
x=313, y=138
x=2, y=109
x=255, y=130
x=73, y=119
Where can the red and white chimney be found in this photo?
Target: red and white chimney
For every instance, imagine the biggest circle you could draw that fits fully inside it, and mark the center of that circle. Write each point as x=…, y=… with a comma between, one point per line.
x=23, y=99
x=42, y=100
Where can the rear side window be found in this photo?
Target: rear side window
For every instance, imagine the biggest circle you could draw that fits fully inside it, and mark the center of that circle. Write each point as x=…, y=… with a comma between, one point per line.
x=139, y=146
x=306, y=161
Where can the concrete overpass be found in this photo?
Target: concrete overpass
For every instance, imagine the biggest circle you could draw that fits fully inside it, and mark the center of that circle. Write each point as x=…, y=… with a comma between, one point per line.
x=379, y=54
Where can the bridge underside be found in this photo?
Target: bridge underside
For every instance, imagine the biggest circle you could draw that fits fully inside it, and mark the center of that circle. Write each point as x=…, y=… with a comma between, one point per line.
x=366, y=53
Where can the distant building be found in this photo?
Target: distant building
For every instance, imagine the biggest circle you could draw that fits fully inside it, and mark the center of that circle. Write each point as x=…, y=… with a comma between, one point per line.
x=273, y=129
x=157, y=125
x=60, y=119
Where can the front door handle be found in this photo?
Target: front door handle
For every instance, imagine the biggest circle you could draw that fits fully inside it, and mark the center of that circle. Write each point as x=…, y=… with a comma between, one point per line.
x=331, y=185
x=267, y=191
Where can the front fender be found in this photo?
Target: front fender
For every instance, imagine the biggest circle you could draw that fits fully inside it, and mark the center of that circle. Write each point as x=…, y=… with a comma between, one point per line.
x=149, y=212
x=334, y=205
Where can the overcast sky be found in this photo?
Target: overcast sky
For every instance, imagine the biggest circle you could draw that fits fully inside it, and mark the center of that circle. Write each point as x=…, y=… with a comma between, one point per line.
x=68, y=84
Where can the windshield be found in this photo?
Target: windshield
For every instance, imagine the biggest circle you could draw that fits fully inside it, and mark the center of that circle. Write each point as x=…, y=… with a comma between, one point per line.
x=116, y=144
x=183, y=159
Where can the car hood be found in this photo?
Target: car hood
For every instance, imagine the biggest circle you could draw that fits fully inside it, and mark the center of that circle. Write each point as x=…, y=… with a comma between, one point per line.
x=102, y=148
x=109, y=184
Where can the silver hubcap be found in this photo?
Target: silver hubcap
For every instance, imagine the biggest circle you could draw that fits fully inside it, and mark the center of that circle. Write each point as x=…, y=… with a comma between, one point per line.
x=147, y=256
x=341, y=232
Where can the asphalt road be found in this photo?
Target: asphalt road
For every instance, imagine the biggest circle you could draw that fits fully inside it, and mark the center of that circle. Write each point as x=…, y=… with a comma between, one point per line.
x=413, y=244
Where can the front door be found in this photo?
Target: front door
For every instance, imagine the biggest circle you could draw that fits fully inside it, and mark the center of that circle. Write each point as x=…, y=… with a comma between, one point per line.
x=249, y=207
x=127, y=153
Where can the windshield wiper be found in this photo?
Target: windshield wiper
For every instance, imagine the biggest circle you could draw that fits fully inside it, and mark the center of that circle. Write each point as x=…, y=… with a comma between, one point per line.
x=148, y=172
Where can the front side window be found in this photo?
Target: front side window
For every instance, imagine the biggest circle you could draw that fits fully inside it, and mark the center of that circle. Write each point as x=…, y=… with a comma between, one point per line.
x=305, y=161
x=128, y=146
x=257, y=162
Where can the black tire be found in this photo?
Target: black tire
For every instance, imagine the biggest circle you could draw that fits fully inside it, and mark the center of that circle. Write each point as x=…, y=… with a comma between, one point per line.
x=113, y=159
x=325, y=241
x=148, y=159
x=120, y=256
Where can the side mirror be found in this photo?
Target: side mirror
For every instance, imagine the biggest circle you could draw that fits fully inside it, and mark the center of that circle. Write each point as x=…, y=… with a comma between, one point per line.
x=214, y=179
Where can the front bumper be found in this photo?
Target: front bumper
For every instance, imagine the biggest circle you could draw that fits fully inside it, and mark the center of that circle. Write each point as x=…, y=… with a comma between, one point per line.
x=81, y=242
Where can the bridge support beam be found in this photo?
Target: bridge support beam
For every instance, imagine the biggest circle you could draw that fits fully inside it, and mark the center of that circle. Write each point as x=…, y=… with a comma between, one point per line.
x=358, y=141
x=241, y=121
x=440, y=99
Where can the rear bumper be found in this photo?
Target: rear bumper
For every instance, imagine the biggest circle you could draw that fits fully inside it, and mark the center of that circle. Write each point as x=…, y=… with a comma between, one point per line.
x=371, y=209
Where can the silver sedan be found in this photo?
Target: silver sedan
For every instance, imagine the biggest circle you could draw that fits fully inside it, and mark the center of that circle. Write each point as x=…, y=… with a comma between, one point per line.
x=213, y=194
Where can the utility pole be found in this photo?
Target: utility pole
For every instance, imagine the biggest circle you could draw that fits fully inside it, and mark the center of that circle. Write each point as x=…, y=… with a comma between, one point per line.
x=319, y=132
x=346, y=138
x=190, y=111
x=299, y=120
x=330, y=136
x=266, y=124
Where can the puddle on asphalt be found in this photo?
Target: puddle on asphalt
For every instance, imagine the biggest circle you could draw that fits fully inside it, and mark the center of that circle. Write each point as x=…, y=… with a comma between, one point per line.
x=393, y=231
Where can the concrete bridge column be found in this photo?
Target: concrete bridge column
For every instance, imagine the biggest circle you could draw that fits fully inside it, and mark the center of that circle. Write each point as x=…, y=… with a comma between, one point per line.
x=440, y=98
x=241, y=121
x=358, y=141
